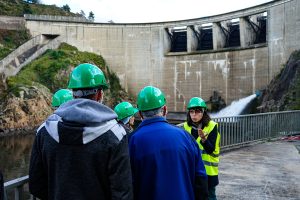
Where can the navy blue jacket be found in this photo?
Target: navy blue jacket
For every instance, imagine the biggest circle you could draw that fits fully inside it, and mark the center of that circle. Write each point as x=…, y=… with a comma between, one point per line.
x=166, y=163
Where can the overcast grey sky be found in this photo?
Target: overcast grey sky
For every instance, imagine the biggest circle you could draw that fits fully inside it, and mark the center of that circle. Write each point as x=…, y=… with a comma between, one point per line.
x=136, y=11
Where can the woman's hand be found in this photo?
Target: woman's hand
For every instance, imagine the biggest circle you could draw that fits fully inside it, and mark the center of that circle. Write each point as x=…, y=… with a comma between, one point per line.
x=202, y=135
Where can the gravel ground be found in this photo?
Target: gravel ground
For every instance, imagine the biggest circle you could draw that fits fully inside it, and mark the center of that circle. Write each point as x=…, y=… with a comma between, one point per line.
x=264, y=171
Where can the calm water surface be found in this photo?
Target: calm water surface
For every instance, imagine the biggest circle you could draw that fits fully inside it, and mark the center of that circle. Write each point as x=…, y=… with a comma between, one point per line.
x=15, y=155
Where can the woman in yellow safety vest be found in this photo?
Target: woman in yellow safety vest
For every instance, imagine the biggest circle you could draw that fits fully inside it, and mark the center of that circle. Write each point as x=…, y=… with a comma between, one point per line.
x=205, y=131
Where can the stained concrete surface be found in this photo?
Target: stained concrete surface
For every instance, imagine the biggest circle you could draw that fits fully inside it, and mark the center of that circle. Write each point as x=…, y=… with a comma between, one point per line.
x=264, y=171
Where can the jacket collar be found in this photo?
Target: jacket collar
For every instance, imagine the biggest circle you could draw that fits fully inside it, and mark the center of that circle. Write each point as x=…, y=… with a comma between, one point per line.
x=152, y=120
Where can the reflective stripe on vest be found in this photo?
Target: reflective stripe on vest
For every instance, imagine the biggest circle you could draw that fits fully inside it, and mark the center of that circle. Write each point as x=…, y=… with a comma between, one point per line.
x=211, y=161
x=212, y=154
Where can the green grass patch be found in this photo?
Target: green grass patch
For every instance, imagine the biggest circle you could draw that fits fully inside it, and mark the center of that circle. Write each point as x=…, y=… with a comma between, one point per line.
x=53, y=68
x=12, y=39
x=4, y=52
x=19, y=8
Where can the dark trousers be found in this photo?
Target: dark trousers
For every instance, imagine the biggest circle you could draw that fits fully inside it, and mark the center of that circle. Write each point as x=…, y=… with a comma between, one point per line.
x=212, y=193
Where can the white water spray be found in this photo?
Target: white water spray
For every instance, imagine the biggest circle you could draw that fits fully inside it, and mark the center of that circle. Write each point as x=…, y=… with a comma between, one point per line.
x=235, y=108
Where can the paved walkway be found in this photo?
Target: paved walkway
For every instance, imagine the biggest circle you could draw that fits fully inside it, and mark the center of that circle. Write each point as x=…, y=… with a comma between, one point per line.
x=264, y=171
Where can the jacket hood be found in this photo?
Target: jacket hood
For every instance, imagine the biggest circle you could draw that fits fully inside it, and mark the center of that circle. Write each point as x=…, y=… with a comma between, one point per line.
x=85, y=111
x=80, y=121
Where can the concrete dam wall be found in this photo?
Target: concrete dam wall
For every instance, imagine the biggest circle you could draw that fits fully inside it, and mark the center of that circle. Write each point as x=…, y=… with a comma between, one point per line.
x=235, y=53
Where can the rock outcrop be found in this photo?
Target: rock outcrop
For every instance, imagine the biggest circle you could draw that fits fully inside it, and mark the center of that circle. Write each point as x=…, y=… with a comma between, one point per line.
x=23, y=113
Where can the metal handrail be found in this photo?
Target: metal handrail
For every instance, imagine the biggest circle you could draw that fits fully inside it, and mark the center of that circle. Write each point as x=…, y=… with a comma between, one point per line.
x=234, y=130
x=18, y=186
x=245, y=129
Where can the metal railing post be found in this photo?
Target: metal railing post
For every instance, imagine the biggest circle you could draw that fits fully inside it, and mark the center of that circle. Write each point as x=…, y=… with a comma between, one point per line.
x=19, y=192
x=17, y=186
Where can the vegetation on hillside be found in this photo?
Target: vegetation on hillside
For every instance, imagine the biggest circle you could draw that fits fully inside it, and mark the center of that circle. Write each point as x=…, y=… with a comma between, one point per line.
x=20, y=7
x=283, y=92
x=291, y=77
x=53, y=68
x=11, y=39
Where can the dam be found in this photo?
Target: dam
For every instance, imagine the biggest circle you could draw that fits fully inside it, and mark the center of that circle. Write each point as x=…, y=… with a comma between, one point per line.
x=235, y=53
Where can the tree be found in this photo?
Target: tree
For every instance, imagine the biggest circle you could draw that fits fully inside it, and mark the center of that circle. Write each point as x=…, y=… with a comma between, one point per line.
x=91, y=16
x=27, y=9
x=82, y=13
x=66, y=8
x=36, y=1
x=32, y=1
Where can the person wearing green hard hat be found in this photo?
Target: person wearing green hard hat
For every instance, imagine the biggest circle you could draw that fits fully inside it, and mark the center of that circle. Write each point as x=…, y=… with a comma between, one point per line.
x=60, y=97
x=165, y=159
x=81, y=151
x=126, y=112
x=88, y=81
x=205, y=131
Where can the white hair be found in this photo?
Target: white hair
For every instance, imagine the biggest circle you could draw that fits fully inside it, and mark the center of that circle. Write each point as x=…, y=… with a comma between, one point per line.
x=152, y=113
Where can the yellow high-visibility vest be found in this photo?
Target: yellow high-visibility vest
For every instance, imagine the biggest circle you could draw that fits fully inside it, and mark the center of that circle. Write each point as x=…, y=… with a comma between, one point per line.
x=211, y=161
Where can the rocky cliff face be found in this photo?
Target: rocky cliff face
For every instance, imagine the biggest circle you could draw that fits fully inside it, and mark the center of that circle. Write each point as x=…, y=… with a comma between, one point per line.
x=283, y=92
x=24, y=112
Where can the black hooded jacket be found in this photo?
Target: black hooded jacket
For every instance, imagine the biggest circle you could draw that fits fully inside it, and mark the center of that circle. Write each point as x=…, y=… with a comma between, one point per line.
x=81, y=152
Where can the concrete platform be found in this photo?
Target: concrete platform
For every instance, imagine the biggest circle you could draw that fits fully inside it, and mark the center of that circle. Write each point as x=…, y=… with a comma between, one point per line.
x=264, y=171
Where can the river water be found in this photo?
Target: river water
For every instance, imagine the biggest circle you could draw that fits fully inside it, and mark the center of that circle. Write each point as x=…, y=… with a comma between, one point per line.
x=15, y=155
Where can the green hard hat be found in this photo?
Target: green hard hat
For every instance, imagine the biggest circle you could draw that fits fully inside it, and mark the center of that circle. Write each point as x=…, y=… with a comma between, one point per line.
x=61, y=96
x=87, y=76
x=125, y=109
x=150, y=98
x=196, y=102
